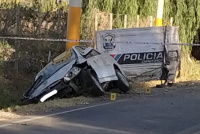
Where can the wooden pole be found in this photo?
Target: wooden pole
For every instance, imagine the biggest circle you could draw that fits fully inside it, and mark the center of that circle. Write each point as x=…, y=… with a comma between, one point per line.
x=95, y=28
x=138, y=21
x=125, y=21
x=171, y=21
x=111, y=21
x=96, y=22
x=151, y=20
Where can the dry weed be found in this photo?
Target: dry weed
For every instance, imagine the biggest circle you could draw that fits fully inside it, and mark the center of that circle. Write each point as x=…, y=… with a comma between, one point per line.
x=49, y=105
x=190, y=69
x=190, y=72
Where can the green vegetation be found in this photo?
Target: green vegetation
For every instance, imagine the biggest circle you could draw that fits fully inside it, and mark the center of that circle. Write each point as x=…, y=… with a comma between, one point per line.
x=185, y=12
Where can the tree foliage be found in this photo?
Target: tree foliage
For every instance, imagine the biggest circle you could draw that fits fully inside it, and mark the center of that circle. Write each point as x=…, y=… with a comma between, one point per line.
x=186, y=13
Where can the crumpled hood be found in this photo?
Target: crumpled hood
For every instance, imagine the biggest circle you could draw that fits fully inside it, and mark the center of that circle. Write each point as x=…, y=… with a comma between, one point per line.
x=103, y=66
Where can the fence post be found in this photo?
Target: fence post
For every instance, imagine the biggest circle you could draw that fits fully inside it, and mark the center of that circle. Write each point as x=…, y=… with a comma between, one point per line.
x=171, y=21
x=125, y=21
x=151, y=20
x=96, y=22
x=111, y=21
x=138, y=21
x=49, y=56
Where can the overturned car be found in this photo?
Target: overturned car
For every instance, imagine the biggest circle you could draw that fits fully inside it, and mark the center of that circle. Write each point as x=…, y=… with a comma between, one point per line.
x=82, y=69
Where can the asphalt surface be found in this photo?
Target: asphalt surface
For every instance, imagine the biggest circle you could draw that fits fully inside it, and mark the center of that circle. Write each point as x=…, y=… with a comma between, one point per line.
x=168, y=113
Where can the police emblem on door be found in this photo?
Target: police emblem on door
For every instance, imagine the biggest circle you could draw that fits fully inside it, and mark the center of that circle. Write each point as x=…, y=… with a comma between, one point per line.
x=109, y=42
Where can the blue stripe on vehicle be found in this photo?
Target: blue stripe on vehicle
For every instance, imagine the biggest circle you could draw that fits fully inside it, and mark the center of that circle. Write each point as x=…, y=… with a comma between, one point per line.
x=117, y=57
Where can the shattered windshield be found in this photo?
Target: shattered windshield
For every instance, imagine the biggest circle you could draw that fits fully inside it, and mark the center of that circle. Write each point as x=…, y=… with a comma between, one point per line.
x=92, y=53
x=80, y=49
x=55, y=65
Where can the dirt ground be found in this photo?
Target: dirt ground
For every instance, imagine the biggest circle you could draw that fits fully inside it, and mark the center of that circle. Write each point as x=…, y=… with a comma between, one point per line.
x=49, y=106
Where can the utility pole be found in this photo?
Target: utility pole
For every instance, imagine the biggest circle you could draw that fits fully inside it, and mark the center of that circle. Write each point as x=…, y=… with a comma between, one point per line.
x=159, y=13
x=73, y=23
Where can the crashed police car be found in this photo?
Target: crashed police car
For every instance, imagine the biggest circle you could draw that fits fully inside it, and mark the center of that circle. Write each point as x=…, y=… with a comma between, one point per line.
x=82, y=69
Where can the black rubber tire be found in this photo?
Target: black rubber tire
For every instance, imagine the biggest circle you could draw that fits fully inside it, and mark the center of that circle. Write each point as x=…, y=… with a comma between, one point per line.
x=122, y=83
x=160, y=86
x=97, y=89
x=170, y=84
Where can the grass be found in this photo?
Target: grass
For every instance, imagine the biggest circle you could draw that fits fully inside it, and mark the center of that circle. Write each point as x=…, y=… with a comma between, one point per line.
x=190, y=72
x=10, y=95
x=32, y=109
x=190, y=69
x=49, y=105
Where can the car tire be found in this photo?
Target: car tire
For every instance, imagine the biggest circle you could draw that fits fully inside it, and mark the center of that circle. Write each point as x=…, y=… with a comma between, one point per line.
x=122, y=83
x=161, y=86
x=97, y=89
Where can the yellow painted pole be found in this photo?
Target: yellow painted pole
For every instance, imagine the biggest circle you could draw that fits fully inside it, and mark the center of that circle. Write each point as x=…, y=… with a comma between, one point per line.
x=159, y=13
x=73, y=23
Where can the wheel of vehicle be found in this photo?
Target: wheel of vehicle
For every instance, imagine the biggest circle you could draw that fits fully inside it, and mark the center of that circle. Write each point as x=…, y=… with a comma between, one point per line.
x=160, y=86
x=122, y=82
x=97, y=89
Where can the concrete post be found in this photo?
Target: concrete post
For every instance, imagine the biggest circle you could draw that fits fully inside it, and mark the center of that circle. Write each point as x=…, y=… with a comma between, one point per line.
x=73, y=23
x=159, y=13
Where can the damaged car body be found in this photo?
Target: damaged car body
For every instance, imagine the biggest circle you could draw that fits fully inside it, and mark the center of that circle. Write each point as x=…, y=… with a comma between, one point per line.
x=82, y=69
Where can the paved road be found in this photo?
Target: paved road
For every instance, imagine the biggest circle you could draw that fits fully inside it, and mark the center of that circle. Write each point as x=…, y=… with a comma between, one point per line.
x=170, y=113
